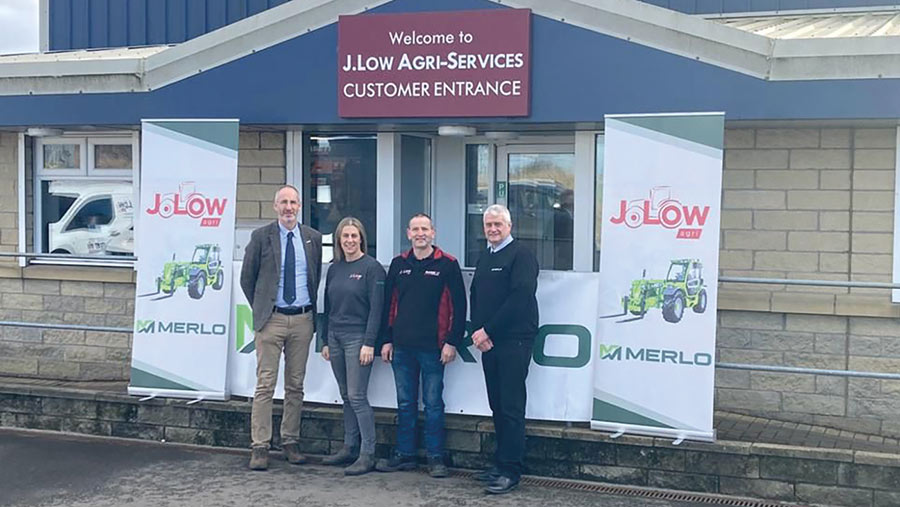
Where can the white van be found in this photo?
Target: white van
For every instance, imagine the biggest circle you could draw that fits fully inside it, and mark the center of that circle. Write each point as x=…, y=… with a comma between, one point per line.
x=100, y=212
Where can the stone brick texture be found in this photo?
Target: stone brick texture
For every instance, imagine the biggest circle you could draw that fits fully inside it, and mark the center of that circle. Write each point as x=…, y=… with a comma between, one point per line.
x=9, y=195
x=65, y=354
x=261, y=170
x=815, y=204
x=764, y=471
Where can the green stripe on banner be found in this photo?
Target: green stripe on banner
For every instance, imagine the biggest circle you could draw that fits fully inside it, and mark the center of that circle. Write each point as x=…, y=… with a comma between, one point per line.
x=141, y=378
x=604, y=411
x=701, y=129
x=221, y=133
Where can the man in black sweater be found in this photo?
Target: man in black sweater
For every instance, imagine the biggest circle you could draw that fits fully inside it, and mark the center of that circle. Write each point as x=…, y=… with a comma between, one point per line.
x=424, y=321
x=505, y=319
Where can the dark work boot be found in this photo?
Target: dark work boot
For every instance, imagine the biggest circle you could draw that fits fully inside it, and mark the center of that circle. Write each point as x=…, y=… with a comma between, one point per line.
x=487, y=476
x=343, y=457
x=292, y=454
x=259, y=458
x=396, y=463
x=436, y=467
x=363, y=465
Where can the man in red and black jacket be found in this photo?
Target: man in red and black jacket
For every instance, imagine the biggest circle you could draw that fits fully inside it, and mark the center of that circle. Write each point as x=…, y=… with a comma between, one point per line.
x=424, y=322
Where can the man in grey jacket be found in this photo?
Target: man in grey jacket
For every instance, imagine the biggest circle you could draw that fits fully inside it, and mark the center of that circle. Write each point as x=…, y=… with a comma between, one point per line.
x=280, y=277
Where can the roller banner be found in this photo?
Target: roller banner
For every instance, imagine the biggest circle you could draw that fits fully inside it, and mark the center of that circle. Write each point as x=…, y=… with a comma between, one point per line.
x=659, y=264
x=185, y=245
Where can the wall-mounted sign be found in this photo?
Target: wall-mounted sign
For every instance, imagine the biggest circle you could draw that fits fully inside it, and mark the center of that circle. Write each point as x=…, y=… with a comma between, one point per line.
x=436, y=64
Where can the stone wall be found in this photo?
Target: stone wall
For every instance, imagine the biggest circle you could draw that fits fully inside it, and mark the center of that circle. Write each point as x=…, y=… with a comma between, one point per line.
x=808, y=203
x=814, y=204
x=9, y=194
x=261, y=170
x=65, y=354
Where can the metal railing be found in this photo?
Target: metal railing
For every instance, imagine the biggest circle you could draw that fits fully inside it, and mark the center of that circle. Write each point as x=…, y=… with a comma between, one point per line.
x=812, y=283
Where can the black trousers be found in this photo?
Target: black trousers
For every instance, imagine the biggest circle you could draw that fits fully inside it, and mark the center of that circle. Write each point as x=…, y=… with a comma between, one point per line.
x=505, y=369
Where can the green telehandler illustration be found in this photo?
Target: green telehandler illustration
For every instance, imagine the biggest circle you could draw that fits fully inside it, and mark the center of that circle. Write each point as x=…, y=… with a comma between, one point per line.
x=204, y=269
x=682, y=288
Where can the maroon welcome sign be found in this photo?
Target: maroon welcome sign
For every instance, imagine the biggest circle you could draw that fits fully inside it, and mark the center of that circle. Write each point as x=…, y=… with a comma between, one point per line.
x=435, y=64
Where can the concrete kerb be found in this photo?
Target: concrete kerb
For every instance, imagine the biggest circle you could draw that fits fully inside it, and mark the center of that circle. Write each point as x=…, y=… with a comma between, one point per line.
x=561, y=450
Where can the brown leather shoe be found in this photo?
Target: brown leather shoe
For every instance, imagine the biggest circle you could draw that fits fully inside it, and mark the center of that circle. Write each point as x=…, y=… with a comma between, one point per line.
x=292, y=454
x=259, y=459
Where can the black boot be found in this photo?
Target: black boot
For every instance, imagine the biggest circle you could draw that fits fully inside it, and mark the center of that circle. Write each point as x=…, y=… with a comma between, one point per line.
x=343, y=457
x=363, y=465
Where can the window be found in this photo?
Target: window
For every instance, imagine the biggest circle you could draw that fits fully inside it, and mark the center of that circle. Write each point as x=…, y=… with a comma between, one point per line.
x=84, y=198
x=536, y=182
x=341, y=183
x=479, y=173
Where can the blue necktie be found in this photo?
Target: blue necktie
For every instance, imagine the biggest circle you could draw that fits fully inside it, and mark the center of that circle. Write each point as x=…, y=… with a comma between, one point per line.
x=290, y=270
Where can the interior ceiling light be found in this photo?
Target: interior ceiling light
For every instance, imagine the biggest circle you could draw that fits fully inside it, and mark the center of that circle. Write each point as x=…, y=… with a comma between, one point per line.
x=499, y=135
x=456, y=130
x=43, y=132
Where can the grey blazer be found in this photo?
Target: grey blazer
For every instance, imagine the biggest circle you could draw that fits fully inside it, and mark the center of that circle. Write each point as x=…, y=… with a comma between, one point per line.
x=262, y=268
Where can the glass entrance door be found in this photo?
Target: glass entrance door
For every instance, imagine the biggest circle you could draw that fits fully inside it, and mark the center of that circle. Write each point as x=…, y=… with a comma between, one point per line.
x=536, y=182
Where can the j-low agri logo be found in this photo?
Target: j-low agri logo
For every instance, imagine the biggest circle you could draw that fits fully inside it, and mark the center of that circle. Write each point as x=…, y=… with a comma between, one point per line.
x=188, y=202
x=173, y=327
x=661, y=209
x=680, y=357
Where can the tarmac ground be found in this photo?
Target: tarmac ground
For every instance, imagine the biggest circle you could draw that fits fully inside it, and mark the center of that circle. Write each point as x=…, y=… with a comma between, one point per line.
x=52, y=469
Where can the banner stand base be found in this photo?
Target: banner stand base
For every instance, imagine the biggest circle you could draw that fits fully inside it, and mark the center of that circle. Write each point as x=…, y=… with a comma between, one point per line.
x=150, y=393
x=677, y=435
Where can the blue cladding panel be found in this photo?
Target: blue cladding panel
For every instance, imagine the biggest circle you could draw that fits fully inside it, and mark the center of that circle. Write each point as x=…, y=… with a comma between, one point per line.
x=156, y=22
x=137, y=22
x=77, y=24
x=81, y=26
x=725, y=6
x=295, y=83
x=216, y=15
x=196, y=18
x=118, y=23
x=99, y=23
x=237, y=10
x=60, y=24
x=176, y=24
x=256, y=6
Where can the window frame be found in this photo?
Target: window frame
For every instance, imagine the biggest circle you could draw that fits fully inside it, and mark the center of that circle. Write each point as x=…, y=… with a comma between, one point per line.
x=81, y=170
x=93, y=142
x=86, y=172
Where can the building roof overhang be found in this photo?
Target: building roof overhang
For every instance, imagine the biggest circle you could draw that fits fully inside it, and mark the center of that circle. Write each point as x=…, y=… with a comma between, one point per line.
x=706, y=40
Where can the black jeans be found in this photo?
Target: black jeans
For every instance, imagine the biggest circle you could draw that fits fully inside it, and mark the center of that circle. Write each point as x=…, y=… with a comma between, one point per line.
x=505, y=369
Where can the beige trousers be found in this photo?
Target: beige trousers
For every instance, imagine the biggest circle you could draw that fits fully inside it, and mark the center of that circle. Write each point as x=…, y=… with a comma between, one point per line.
x=291, y=334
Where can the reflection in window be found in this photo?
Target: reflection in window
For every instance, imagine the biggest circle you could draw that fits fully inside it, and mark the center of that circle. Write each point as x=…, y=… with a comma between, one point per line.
x=62, y=156
x=478, y=183
x=92, y=215
x=542, y=204
x=112, y=156
x=342, y=172
x=598, y=199
x=87, y=217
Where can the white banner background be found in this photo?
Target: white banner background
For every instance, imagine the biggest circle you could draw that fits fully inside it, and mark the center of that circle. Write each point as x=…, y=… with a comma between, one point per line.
x=178, y=167
x=657, y=396
x=554, y=393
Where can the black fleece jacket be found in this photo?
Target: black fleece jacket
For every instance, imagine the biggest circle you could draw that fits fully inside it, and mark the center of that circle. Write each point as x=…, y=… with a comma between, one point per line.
x=424, y=301
x=503, y=293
